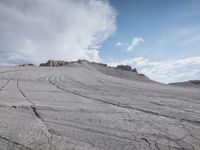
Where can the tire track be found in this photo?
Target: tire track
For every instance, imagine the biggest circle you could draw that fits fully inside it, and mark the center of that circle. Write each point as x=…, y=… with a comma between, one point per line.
x=8, y=71
x=54, y=80
x=120, y=105
x=91, y=130
x=13, y=142
x=23, y=94
x=8, y=82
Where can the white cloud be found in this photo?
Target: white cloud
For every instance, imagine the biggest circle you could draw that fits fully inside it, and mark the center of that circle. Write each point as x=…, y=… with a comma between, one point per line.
x=166, y=71
x=118, y=44
x=135, y=42
x=35, y=31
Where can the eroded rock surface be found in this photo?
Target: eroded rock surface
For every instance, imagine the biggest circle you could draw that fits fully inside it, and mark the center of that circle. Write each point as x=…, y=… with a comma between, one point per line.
x=124, y=67
x=88, y=106
x=26, y=65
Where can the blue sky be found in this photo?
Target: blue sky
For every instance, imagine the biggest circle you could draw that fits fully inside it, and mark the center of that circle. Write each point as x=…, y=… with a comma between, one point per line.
x=161, y=38
x=170, y=29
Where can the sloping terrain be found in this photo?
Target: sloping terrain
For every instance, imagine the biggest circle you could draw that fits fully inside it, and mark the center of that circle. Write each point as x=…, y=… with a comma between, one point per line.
x=91, y=107
x=191, y=83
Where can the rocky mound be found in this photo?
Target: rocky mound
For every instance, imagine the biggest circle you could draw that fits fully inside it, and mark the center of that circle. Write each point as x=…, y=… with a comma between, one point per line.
x=54, y=63
x=126, y=68
x=121, y=71
x=26, y=65
x=88, y=106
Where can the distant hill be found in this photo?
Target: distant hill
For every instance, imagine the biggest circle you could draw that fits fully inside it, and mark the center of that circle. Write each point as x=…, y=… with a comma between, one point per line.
x=193, y=83
x=120, y=71
x=26, y=65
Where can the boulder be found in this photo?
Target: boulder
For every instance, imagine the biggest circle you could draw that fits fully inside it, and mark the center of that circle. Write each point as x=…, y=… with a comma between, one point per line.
x=134, y=70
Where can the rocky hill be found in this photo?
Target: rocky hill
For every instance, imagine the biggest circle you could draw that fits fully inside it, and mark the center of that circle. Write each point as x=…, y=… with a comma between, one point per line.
x=83, y=105
x=54, y=63
x=26, y=65
x=121, y=71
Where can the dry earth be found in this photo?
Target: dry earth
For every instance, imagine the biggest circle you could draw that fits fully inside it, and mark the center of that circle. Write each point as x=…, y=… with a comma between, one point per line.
x=92, y=107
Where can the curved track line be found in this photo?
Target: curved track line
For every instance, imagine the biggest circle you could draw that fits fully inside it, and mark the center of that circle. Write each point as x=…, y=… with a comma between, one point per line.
x=16, y=143
x=8, y=82
x=194, y=122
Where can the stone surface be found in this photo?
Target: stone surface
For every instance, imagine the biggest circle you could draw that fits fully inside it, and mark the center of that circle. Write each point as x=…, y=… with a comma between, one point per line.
x=54, y=63
x=134, y=70
x=88, y=106
x=26, y=65
x=124, y=67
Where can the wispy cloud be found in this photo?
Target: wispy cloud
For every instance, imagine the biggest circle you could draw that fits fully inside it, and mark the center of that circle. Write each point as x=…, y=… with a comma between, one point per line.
x=166, y=71
x=191, y=41
x=118, y=44
x=135, y=42
x=35, y=31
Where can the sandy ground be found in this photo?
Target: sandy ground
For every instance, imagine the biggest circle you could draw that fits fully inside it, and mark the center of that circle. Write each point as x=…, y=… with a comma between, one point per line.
x=91, y=107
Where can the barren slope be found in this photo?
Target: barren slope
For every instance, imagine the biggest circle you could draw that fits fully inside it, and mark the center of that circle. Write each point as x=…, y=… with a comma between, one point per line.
x=91, y=107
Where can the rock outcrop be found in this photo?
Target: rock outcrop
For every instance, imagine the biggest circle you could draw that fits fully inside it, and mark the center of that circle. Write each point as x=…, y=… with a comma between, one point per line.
x=135, y=70
x=126, y=68
x=54, y=63
x=26, y=65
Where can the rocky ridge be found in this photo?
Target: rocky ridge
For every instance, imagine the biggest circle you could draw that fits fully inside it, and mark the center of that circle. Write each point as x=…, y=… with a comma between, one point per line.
x=187, y=83
x=57, y=63
x=89, y=106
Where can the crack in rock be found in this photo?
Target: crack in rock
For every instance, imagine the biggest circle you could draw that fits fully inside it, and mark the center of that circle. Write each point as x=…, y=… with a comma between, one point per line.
x=122, y=105
x=34, y=110
x=16, y=143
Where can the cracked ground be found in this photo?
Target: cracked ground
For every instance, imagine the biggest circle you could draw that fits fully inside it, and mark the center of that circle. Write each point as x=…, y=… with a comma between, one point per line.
x=92, y=107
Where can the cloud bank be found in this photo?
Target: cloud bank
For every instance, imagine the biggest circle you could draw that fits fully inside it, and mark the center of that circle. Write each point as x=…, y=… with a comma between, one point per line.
x=37, y=30
x=166, y=71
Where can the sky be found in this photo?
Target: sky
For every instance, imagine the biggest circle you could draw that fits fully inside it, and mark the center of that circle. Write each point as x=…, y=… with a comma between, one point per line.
x=160, y=38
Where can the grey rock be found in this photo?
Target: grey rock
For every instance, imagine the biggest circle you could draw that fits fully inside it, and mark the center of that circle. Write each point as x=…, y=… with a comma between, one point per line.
x=54, y=63
x=87, y=106
x=124, y=67
x=135, y=70
x=26, y=65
